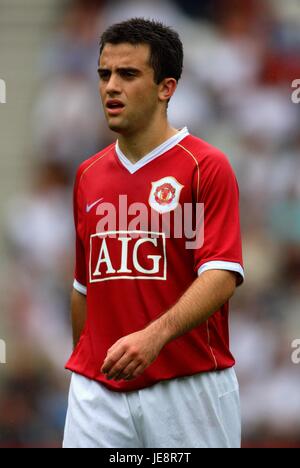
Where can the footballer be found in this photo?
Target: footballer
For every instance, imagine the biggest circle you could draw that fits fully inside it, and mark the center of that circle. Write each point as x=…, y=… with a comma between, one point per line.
x=152, y=366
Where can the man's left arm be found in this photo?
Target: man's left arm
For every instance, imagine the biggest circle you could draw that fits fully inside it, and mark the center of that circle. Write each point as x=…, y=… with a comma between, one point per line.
x=133, y=354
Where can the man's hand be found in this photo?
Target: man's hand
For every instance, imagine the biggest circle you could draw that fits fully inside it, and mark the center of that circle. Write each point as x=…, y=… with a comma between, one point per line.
x=129, y=357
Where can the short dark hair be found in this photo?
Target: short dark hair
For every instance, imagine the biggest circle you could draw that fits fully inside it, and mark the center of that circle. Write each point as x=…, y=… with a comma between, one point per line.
x=165, y=44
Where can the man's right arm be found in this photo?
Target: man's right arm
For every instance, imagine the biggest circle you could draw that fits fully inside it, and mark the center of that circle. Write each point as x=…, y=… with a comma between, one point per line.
x=78, y=312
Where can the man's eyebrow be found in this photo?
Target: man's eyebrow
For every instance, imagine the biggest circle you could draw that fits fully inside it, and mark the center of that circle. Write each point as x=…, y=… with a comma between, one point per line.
x=122, y=69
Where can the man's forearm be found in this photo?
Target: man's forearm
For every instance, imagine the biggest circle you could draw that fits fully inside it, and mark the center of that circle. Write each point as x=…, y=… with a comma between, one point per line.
x=205, y=297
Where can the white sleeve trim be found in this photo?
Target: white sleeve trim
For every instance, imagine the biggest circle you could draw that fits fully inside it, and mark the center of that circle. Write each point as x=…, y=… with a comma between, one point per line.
x=218, y=265
x=80, y=288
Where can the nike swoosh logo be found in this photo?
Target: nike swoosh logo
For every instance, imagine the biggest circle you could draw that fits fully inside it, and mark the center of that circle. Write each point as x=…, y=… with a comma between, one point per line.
x=90, y=207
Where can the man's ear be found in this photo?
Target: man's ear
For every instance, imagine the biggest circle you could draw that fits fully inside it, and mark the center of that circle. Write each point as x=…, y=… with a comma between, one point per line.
x=167, y=89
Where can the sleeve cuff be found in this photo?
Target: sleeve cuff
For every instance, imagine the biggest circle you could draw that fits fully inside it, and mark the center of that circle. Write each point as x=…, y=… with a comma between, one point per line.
x=80, y=288
x=229, y=266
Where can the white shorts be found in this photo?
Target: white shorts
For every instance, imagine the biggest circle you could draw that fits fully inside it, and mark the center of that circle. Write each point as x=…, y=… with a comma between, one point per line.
x=202, y=411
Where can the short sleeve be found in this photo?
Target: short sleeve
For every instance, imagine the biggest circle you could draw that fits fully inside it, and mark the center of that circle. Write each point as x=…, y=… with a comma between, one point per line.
x=218, y=191
x=80, y=277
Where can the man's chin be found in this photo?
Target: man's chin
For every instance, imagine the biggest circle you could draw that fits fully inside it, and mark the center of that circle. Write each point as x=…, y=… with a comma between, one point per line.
x=117, y=127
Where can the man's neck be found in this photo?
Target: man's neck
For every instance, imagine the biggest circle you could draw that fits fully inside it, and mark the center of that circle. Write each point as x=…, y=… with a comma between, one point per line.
x=136, y=146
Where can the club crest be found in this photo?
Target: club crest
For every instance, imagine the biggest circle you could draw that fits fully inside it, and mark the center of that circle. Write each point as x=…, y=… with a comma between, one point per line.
x=165, y=195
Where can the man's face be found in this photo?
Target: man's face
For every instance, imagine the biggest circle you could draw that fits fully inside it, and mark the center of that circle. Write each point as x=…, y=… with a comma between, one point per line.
x=128, y=91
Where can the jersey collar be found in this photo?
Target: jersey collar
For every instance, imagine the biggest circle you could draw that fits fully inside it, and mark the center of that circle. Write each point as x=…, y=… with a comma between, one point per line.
x=156, y=153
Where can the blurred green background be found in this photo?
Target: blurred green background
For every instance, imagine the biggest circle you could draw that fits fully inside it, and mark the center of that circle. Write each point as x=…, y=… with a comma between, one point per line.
x=241, y=60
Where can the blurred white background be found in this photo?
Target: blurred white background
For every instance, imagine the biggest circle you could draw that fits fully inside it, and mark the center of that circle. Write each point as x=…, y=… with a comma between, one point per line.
x=241, y=59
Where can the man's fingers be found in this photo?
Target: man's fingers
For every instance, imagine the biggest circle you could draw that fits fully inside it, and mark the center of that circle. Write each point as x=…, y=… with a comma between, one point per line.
x=136, y=373
x=119, y=367
x=129, y=370
x=111, y=360
x=124, y=360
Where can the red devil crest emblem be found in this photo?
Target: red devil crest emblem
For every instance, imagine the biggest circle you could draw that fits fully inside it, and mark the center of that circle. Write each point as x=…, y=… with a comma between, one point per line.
x=165, y=195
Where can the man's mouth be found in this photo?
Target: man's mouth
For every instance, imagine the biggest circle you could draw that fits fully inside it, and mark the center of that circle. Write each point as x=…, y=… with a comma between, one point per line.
x=114, y=107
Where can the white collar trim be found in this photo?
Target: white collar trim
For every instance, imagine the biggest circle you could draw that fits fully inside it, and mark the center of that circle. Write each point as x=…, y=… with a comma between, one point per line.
x=159, y=151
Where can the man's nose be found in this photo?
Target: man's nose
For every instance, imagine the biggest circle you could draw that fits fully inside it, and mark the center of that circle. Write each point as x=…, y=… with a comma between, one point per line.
x=113, y=85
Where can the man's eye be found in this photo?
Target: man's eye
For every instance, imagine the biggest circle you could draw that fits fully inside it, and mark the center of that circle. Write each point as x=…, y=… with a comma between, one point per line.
x=128, y=74
x=104, y=76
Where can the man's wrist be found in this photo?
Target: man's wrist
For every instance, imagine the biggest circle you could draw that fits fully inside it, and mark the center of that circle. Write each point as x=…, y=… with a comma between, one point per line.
x=161, y=329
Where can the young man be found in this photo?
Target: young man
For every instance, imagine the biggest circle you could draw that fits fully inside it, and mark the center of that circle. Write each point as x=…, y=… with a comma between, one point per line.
x=152, y=366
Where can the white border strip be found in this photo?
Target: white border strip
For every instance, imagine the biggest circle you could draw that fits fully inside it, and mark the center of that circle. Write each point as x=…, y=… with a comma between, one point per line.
x=228, y=266
x=80, y=288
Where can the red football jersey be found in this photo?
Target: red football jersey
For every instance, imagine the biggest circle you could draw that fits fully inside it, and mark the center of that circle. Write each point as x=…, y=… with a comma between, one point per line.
x=135, y=254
